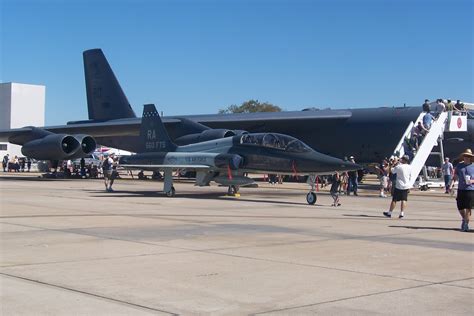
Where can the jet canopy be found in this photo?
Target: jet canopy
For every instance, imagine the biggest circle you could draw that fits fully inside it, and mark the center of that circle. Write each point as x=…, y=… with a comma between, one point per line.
x=276, y=141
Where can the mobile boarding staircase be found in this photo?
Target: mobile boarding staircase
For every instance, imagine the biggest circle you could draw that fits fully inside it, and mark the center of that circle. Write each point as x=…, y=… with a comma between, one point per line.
x=446, y=121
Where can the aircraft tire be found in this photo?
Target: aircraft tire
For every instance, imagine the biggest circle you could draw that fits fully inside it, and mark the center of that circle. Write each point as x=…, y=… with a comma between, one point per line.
x=311, y=198
x=171, y=193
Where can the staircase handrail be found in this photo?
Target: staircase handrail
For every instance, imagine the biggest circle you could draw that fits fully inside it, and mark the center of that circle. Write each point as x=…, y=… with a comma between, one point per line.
x=430, y=140
x=399, y=150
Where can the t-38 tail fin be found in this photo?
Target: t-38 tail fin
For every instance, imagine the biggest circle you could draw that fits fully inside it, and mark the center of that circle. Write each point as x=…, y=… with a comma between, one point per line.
x=105, y=97
x=153, y=133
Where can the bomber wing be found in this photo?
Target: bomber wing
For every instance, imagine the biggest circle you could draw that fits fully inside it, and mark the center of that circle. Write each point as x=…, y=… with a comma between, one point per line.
x=131, y=127
x=120, y=127
x=274, y=121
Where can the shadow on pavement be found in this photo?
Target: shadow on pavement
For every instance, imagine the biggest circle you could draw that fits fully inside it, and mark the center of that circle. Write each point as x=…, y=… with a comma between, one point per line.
x=221, y=196
x=430, y=228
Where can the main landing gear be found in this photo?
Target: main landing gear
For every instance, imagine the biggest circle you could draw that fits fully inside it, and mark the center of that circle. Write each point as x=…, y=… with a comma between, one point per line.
x=168, y=187
x=171, y=192
x=233, y=190
x=311, y=197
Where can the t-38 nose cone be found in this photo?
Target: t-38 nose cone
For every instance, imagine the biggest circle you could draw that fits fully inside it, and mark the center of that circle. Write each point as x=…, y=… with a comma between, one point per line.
x=318, y=163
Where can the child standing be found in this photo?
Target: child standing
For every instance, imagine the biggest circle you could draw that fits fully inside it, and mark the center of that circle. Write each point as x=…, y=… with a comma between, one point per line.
x=336, y=182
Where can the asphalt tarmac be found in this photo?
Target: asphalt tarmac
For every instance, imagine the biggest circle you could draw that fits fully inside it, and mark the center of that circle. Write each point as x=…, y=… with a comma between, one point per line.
x=70, y=248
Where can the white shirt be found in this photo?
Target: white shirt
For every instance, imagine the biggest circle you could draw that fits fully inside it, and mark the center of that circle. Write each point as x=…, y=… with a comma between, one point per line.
x=403, y=172
x=447, y=169
x=440, y=107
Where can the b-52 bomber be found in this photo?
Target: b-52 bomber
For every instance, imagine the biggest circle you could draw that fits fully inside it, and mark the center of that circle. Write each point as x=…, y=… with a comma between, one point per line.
x=227, y=160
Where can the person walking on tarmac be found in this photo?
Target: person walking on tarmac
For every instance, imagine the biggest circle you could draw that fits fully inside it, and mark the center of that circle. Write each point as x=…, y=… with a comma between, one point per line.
x=402, y=185
x=352, y=184
x=5, y=161
x=464, y=173
x=107, y=165
x=448, y=171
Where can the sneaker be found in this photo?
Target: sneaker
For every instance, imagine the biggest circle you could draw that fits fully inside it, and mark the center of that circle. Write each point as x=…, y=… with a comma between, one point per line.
x=401, y=216
x=338, y=204
x=382, y=195
x=465, y=226
x=387, y=214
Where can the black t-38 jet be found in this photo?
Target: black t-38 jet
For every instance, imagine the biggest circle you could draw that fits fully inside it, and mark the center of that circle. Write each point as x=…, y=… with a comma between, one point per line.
x=227, y=160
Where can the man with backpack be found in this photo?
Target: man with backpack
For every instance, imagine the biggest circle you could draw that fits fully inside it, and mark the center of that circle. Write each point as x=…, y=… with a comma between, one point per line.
x=107, y=165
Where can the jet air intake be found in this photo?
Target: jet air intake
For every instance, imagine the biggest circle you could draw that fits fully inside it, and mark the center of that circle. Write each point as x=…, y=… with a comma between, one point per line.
x=233, y=161
x=209, y=134
x=88, y=145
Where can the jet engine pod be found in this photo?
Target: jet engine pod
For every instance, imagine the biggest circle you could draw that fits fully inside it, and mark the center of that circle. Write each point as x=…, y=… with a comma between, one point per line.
x=52, y=147
x=88, y=145
x=239, y=132
x=209, y=134
x=231, y=160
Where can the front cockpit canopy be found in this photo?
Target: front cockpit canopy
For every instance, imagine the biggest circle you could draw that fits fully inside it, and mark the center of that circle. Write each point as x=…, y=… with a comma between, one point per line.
x=276, y=141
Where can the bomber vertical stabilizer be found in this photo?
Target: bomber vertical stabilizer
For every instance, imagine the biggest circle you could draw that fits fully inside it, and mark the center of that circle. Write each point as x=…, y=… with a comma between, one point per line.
x=105, y=98
x=153, y=133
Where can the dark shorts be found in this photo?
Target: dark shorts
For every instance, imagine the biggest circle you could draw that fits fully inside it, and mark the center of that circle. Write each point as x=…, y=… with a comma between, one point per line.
x=400, y=195
x=465, y=199
x=108, y=174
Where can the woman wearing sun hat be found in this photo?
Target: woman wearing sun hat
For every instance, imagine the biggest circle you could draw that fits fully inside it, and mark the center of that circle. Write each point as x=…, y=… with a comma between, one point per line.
x=464, y=173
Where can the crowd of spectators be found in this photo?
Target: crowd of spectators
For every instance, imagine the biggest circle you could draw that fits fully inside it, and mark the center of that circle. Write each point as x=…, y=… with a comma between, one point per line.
x=16, y=164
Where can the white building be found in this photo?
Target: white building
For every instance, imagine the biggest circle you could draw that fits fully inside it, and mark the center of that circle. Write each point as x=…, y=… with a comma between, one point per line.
x=20, y=105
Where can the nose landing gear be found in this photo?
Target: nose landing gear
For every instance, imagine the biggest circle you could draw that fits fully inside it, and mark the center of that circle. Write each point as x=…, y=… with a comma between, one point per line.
x=311, y=198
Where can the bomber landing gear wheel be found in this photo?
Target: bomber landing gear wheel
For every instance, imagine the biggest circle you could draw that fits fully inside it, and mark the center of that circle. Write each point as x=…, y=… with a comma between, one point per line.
x=311, y=198
x=171, y=193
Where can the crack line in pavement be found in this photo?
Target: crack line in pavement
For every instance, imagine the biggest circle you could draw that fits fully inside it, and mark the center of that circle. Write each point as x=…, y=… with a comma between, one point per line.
x=87, y=293
x=358, y=296
x=232, y=255
x=91, y=259
x=152, y=215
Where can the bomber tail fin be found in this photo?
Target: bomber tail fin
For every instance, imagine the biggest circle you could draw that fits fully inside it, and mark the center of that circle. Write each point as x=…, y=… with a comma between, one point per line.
x=153, y=133
x=105, y=98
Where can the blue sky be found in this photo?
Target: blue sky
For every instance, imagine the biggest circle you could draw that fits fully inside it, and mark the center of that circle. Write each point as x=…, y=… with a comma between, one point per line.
x=196, y=57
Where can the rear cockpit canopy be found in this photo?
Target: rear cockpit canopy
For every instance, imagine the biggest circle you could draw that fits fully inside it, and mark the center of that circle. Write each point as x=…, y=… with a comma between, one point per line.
x=276, y=141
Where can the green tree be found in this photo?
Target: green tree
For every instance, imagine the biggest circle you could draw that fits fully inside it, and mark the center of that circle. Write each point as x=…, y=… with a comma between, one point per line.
x=251, y=106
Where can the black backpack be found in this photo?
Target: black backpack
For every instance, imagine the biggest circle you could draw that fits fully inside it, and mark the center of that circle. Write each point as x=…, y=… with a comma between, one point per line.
x=105, y=164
